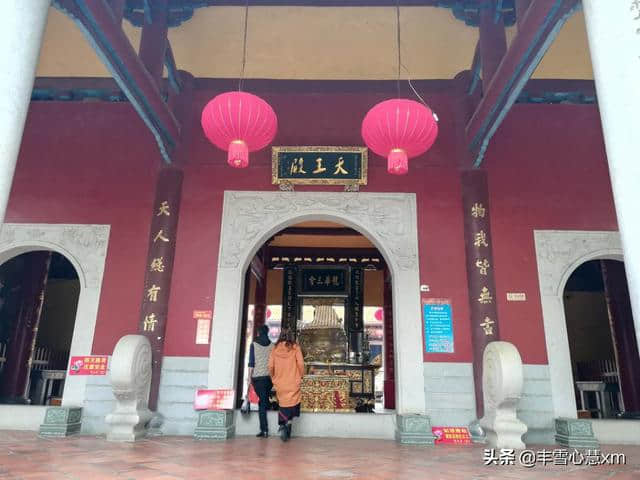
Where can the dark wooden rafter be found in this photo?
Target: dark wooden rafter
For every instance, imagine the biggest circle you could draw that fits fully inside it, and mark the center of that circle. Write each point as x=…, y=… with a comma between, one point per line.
x=181, y=11
x=537, y=29
x=153, y=41
x=492, y=44
x=476, y=66
x=100, y=25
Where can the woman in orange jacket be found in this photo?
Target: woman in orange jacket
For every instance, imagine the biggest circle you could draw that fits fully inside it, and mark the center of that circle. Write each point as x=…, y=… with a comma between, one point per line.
x=286, y=368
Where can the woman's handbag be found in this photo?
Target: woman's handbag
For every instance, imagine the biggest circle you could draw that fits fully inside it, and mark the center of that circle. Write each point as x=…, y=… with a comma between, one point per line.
x=246, y=405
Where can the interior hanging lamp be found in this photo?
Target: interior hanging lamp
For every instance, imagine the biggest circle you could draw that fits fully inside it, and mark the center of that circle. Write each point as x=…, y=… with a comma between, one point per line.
x=239, y=122
x=399, y=129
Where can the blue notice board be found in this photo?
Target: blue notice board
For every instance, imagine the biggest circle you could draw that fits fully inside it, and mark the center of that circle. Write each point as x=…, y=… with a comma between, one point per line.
x=438, y=326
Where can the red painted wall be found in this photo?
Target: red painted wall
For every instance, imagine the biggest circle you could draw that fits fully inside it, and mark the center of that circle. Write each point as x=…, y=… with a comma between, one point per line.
x=92, y=163
x=102, y=161
x=547, y=170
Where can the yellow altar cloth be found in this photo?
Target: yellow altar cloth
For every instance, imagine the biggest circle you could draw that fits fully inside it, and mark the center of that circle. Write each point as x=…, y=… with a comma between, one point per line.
x=325, y=393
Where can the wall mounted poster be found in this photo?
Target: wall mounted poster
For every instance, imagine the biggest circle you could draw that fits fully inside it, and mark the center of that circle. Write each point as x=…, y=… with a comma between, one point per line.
x=438, y=325
x=88, y=365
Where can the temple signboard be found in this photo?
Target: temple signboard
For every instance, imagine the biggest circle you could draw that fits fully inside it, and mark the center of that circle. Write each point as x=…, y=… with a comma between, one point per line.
x=323, y=281
x=438, y=326
x=319, y=166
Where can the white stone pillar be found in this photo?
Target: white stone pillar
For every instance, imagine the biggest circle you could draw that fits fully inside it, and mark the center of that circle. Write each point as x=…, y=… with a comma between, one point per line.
x=22, y=25
x=613, y=28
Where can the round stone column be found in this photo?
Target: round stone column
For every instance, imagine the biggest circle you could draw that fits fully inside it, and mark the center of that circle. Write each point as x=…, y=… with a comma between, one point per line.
x=613, y=29
x=22, y=26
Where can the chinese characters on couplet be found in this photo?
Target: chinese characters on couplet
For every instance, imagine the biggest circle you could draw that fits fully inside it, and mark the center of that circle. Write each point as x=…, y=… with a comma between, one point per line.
x=477, y=210
x=150, y=322
x=157, y=265
x=485, y=296
x=483, y=266
x=163, y=209
x=487, y=326
x=157, y=268
x=480, y=240
x=152, y=293
x=160, y=236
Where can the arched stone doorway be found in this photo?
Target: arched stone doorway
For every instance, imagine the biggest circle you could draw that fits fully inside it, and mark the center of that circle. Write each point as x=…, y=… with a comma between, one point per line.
x=330, y=286
x=389, y=220
x=85, y=246
x=602, y=341
x=558, y=254
x=38, y=300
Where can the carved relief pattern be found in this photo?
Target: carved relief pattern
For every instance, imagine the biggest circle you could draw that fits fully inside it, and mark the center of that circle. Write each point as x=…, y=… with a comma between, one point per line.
x=491, y=380
x=558, y=251
x=86, y=244
x=390, y=218
x=141, y=369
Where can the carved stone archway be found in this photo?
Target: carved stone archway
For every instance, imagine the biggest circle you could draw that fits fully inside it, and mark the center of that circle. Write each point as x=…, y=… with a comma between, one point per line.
x=85, y=246
x=559, y=253
x=389, y=220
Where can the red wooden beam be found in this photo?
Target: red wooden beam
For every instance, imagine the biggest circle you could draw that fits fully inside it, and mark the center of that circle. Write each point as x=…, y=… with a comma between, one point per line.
x=492, y=44
x=540, y=25
x=103, y=30
x=153, y=42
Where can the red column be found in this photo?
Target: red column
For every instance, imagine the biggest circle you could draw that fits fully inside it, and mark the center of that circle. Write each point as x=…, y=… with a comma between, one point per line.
x=157, y=284
x=623, y=332
x=22, y=342
x=389, y=366
x=482, y=292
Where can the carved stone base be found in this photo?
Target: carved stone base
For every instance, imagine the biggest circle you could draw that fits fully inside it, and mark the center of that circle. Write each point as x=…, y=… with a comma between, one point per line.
x=575, y=433
x=414, y=430
x=61, y=421
x=128, y=426
x=215, y=425
x=502, y=381
x=130, y=380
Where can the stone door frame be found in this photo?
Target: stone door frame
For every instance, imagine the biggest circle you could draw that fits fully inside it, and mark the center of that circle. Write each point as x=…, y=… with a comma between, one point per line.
x=558, y=254
x=389, y=220
x=85, y=246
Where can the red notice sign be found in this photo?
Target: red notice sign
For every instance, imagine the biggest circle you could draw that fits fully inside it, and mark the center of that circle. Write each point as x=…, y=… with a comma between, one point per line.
x=214, y=399
x=90, y=365
x=452, y=435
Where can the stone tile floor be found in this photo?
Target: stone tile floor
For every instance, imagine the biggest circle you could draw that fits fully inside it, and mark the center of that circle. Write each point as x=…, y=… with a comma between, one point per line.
x=23, y=455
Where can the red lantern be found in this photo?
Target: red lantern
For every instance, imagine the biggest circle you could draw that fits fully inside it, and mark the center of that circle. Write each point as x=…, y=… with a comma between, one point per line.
x=239, y=123
x=399, y=129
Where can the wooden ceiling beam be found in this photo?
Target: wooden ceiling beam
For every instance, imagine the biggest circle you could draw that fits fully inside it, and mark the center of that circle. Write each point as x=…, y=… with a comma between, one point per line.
x=153, y=41
x=538, y=28
x=100, y=25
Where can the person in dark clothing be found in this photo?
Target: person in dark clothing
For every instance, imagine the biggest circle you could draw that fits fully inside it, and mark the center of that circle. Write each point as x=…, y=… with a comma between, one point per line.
x=259, y=353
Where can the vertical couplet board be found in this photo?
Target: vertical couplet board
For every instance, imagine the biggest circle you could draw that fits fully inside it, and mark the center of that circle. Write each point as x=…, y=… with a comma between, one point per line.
x=355, y=321
x=290, y=305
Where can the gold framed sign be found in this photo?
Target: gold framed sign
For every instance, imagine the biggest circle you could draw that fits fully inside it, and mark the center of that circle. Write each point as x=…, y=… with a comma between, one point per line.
x=319, y=165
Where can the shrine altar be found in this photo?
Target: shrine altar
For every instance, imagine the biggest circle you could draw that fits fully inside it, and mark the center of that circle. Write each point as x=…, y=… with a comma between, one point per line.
x=325, y=393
